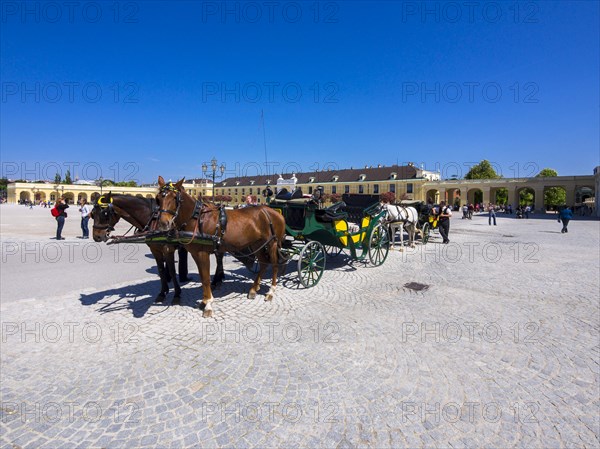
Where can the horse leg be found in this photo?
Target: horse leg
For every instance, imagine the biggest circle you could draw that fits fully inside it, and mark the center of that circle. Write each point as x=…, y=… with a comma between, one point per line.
x=170, y=258
x=401, y=229
x=256, y=286
x=162, y=273
x=219, y=272
x=274, y=257
x=202, y=259
x=411, y=235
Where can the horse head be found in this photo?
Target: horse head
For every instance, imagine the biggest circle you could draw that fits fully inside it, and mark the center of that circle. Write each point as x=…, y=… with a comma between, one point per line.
x=169, y=202
x=104, y=216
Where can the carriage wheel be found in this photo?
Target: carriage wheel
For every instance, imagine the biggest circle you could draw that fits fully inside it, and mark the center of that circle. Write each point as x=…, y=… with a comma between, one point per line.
x=311, y=264
x=426, y=231
x=379, y=244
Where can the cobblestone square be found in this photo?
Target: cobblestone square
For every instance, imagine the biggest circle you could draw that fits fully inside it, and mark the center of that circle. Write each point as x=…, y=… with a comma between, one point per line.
x=499, y=349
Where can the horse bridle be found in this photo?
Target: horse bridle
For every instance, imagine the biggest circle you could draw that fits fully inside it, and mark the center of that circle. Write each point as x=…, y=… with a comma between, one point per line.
x=105, y=208
x=164, y=191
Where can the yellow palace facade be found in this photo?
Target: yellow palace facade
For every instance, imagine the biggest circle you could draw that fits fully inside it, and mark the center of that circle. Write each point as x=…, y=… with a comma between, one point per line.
x=73, y=193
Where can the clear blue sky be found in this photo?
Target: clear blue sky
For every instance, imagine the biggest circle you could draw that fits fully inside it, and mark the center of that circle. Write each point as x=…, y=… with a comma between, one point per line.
x=168, y=85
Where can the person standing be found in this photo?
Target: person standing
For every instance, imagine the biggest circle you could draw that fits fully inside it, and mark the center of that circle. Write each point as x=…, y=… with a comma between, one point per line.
x=86, y=212
x=444, y=221
x=491, y=214
x=465, y=211
x=61, y=205
x=565, y=216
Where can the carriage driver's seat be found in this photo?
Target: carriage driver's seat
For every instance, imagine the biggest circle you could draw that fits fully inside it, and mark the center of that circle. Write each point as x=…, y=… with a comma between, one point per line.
x=332, y=213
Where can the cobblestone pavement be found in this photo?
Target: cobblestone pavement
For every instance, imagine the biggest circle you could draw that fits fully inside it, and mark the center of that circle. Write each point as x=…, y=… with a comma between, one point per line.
x=500, y=348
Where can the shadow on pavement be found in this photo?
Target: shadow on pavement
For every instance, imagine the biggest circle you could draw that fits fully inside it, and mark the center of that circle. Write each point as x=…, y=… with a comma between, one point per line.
x=138, y=298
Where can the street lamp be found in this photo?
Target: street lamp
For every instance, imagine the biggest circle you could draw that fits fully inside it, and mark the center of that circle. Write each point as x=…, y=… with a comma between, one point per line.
x=213, y=166
x=101, y=179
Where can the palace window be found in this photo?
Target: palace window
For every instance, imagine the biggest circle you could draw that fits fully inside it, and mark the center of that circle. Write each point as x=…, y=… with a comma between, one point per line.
x=346, y=189
x=333, y=189
x=409, y=188
x=310, y=190
x=393, y=188
x=375, y=188
x=361, y=189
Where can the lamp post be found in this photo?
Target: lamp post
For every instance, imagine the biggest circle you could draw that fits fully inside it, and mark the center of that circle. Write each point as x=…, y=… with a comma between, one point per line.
x=213, y=166
x=62, y=191
x=101, y=179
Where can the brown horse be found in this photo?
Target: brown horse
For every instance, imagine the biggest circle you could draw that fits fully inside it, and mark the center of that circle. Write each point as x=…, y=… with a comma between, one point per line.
x=139, y=212
x=256, y=230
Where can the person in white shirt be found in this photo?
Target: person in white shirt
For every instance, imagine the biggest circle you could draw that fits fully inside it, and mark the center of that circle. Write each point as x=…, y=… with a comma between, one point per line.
x=86, y=211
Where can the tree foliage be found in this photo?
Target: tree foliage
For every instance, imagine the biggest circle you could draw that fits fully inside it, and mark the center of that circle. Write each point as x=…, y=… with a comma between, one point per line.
x=546, y=172
x=388, y=197
x=57, y=179
x=483, y=170
x=68, y=179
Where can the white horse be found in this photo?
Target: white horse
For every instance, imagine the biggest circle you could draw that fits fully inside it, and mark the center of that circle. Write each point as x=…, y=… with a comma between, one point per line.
x=400, y=217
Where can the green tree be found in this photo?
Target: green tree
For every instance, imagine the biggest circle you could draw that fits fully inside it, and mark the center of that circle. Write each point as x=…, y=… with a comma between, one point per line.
x=68, y=179
x=553, y=196
x=526, y=197
x=547, y=172
x=57, y=179
x=502, y=196
x=483, y=170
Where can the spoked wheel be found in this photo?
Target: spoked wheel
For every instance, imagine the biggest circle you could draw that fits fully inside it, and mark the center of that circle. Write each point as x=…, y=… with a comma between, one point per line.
x=333, y=251
x=379, y=244
x=426, y=231
x=311, y=264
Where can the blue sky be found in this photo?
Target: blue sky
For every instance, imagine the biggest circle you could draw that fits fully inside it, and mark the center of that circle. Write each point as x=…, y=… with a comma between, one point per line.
x=149, y=88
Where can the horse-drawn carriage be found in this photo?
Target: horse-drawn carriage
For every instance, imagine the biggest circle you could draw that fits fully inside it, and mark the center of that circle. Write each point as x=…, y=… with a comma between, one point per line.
x=313, y=232
x=420, y=218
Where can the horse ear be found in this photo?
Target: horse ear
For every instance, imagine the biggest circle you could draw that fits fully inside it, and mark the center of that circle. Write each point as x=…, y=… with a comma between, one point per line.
x=179, y=183
x=161, y=181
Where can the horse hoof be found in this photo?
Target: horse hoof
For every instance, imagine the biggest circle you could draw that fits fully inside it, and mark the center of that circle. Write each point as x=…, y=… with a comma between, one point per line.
x=269, y=298
x=176, y=300
x=207, y=314
x=251, y=295
x=161, y=297
x=201, y=305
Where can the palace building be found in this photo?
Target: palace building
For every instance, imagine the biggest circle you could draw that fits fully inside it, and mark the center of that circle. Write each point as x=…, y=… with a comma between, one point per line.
x=406, y=181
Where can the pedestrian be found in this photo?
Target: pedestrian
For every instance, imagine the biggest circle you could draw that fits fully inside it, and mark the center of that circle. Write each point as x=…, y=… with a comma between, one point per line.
x=61, y=205
x=444, y=221
x=527, y=210
x=491, y=214
x=471, y=209
x=565, y=216
x=465, y=211
x=86, y=213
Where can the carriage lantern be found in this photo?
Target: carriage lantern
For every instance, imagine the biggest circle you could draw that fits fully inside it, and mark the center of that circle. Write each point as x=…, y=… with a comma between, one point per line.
x=213, y=166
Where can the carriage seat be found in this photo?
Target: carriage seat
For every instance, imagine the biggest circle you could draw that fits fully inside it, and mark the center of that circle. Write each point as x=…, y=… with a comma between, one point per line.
x=332, y=213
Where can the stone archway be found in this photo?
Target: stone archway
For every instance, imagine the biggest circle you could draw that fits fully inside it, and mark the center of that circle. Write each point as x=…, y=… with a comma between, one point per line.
x=94, y=197
x=149, y=196
x=554, y=197
x=139, y=195
x=69, y=197
x=24, y=196
x=432, y=195
x=81, y=196
x=499, y=195
x=475, y=196
x=526, y=196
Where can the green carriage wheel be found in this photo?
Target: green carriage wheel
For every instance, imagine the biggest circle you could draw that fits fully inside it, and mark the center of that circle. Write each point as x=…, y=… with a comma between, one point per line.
x=426, y=231
x=379, y=244
x=311, y=264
